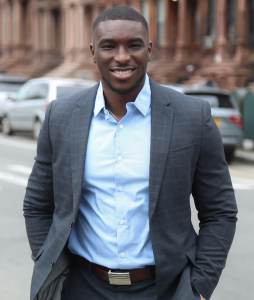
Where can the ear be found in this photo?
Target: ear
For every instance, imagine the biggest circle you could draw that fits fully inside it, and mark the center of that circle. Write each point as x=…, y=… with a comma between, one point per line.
x=93, y=52
x=150, y=50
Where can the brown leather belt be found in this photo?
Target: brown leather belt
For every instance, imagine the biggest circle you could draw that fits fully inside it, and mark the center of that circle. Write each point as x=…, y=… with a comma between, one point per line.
x=113, y=277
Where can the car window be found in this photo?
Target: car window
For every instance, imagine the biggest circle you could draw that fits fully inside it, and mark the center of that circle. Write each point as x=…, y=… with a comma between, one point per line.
x=22, y=92
x=68, y=90
x=37, y=91
x=10, y=87
x=215, y=100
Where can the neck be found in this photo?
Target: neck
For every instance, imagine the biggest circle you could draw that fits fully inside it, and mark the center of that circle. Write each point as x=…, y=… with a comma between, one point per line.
x=117, y=102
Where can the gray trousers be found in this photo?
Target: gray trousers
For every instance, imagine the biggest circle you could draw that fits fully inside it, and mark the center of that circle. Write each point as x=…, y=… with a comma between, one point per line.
x=80, y=284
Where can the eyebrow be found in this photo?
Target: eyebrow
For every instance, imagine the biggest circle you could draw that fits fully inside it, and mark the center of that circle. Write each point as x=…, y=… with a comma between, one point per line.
x=106, y=41
x=132, y=40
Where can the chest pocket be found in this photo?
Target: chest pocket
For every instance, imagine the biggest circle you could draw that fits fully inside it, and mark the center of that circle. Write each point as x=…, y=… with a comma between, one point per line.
x=181, y=151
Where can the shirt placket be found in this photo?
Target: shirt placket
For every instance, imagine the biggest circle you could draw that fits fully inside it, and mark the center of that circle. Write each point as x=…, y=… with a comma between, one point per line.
x=121, y=207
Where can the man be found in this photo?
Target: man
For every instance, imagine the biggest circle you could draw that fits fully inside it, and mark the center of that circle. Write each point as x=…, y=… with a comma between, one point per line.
x=107, y=206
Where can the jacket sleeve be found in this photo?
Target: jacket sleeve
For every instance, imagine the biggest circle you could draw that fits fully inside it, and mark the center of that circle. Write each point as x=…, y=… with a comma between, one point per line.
x=215, y=202
x=39, y=198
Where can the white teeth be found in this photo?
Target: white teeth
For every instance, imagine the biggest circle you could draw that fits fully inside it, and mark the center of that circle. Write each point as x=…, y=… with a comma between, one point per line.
x=123, y=72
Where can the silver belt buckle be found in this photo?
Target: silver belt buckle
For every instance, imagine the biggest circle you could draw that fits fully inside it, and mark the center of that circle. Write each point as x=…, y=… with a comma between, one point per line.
x=119, y=278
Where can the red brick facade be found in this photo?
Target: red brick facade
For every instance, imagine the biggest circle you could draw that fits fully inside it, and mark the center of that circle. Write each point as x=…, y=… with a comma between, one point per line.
x=191, y=38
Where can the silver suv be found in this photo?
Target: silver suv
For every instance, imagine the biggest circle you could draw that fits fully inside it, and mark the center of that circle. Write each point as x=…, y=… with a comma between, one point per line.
x=26, y=111
x=225, y=113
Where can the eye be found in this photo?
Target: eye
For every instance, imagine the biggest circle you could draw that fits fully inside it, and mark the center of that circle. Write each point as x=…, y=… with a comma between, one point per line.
x=135, y=46
x=107, y=47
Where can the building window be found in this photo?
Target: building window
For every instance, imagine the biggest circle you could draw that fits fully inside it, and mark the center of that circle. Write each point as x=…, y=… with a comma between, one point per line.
x=6, y=23
x=40, y=33
x=26, y=27
x=88, y=24
x=251, y=25
x=160, y=22
x=196, y=21
x=231, y=20
x=211, y=18
x=15, y=19
x=56, y=29
x=145, y=10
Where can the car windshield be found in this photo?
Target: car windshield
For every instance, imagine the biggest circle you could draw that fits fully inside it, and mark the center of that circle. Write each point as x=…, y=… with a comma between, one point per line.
x=9, y=86
x=68, y=90
x=215, y=100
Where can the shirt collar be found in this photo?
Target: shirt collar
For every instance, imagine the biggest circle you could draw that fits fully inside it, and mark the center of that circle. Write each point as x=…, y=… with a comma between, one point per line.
x=142, y=102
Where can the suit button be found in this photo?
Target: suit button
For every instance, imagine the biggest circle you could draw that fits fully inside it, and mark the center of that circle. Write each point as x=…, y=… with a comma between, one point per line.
x=71, y=224
x=52, y=264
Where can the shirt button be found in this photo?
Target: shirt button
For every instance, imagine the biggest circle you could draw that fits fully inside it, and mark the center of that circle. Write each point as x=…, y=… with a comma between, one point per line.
x=123, y=255
x=105, y=112
x=121, y=126
x=121, y=189
x=121, y=222
x=119, y=158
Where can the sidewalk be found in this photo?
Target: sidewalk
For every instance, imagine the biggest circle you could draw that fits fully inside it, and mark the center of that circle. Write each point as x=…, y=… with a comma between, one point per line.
x=247, y=152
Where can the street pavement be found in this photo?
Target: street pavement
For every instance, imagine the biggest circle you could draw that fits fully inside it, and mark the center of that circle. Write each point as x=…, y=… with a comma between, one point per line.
x=16, y=161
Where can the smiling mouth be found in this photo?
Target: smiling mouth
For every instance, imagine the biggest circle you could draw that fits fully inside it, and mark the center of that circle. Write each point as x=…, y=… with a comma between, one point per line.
x=125, y=72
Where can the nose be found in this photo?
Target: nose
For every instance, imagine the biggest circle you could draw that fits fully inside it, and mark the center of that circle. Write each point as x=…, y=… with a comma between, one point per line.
x=122, y=55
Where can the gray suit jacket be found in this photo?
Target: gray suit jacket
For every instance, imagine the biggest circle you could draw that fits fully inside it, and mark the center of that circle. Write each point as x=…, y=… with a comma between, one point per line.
x=186, y=158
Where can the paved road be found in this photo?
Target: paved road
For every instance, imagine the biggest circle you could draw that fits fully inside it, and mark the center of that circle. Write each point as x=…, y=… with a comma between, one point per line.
x=237, y=281
x=16, y=160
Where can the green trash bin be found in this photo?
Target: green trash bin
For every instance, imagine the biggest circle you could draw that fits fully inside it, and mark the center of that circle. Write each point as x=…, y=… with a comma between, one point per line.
x=248, y=116
x=239, y=95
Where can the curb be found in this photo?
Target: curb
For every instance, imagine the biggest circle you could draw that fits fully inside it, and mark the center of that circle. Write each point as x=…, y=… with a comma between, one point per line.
x=243, y=154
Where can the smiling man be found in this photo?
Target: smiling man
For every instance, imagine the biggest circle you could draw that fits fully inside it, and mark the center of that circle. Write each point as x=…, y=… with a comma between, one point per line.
x=107, y=206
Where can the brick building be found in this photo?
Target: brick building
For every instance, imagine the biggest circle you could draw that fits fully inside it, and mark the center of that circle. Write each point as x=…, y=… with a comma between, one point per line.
x=191, y=38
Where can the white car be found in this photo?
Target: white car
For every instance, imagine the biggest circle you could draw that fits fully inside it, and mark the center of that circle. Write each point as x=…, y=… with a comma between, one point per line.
x=9, y=85
x=28, y=108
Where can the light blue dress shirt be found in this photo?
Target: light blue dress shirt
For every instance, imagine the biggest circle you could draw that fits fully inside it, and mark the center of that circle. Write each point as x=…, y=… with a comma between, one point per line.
x=112, y=227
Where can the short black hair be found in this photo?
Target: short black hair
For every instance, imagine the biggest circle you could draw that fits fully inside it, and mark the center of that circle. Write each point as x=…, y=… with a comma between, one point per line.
x=120, y=12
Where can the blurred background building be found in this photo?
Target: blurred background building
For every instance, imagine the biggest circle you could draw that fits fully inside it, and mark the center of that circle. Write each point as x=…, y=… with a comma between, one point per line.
x=191, y=38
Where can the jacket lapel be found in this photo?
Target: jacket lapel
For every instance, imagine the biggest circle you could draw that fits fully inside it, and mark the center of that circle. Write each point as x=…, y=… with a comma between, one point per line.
x=161, y=129
x=81, y=119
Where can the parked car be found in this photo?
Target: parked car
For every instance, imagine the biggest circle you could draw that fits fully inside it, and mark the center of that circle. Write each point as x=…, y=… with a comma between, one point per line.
x=9, y=85
x=27, y=111
x=225, y=113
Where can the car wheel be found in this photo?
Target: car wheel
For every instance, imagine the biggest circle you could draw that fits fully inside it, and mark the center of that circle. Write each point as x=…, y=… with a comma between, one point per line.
x=6, y=126
x=36, y=129
x=229, y=155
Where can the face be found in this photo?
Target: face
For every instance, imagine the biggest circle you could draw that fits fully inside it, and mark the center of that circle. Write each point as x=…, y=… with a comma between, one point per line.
x=121, y=50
